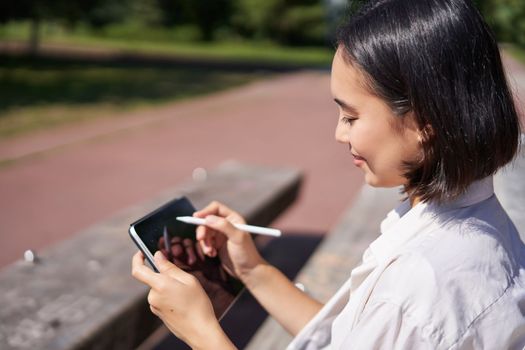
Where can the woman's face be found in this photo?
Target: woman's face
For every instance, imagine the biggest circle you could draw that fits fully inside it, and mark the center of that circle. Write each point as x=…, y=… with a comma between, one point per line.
x=379, y=140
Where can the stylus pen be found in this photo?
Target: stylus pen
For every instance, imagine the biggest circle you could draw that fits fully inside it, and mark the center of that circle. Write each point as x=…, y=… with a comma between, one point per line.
x=248, y=228
x=167, y=242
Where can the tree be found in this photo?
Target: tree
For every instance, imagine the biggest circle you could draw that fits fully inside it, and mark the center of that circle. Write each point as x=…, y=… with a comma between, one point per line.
x=207, y=15
x=506, y=17
x=295, y=22
x=95, y=12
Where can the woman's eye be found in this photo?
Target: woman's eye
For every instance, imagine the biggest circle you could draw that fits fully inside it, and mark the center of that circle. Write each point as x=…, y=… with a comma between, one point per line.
x=348, y=120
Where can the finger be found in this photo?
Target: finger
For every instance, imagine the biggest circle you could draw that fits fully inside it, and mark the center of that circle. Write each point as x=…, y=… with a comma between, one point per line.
x=160, y=244
x=167, y=268
x=141, y=272
x=226, y=227
x=190, y=251
x=154, y=310
x=235, y=219
x=177, y=251
x=212, y=208
x=205, y=236
x=200, y=252
x=151, y=298
x=214, y=244
x=200, y=233
x=207, y=250
x=215, y=208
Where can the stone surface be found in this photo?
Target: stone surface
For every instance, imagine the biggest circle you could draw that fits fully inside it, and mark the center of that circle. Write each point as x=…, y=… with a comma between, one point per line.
x=80, y=294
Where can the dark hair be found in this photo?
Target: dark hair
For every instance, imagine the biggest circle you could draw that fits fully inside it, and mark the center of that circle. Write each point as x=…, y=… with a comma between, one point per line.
x=439, y=60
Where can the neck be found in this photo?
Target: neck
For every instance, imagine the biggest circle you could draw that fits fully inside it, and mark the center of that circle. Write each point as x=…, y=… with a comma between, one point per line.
x=414, y=200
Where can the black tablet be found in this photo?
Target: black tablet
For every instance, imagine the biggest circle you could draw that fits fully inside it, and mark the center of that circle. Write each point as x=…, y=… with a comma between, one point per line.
x=159, y=230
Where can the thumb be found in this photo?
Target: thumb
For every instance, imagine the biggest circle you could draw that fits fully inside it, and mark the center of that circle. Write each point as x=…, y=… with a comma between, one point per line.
x=162, y=263
x=166, y=267
x=226, y=227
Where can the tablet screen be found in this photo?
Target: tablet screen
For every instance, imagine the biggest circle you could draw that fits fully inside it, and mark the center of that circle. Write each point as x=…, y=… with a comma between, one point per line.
x=160, y=230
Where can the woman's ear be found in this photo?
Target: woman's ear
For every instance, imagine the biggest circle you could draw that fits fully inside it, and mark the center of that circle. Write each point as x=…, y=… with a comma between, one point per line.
x=426, y=133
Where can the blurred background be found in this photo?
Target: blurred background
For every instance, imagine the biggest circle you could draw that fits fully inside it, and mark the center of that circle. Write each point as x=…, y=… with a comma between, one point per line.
x=88, y=89
x=108, y=104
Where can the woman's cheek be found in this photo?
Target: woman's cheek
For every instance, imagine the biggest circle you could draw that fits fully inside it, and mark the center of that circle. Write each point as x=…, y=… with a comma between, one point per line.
x=359, y=141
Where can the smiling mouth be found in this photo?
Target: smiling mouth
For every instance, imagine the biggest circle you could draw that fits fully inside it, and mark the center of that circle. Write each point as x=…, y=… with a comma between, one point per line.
x=358, y=157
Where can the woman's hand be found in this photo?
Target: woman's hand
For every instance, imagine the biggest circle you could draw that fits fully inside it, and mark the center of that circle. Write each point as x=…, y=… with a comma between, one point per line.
x=179, y=300
x=275, y=292
x=235, y=248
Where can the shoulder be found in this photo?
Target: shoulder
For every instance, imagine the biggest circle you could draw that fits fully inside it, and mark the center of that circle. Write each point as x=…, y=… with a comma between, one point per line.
x=453, y=277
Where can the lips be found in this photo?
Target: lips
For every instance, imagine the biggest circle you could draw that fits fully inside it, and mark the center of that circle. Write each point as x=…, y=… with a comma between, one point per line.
x=356, y=157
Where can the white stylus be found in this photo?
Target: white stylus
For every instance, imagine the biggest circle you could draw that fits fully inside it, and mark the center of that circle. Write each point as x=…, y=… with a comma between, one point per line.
x=248, y=228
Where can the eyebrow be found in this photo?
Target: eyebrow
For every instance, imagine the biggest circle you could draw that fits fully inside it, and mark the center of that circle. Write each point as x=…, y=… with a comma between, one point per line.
x=346, y=106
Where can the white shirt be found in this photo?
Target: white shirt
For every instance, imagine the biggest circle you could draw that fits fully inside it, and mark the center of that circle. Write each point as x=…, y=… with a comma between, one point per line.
x=448, y=276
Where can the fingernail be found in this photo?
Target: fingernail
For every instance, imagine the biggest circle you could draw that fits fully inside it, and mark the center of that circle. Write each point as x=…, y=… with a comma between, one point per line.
x=211, y=219
x=159, y=256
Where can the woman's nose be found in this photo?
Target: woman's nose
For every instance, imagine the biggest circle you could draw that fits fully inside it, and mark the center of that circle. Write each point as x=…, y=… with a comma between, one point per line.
x=341, y=135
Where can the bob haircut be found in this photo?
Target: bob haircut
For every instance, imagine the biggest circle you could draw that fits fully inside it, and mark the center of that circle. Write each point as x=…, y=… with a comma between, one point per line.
x=439, y=60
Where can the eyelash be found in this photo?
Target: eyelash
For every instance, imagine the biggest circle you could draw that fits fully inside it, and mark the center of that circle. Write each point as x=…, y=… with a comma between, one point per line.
x=347, y=120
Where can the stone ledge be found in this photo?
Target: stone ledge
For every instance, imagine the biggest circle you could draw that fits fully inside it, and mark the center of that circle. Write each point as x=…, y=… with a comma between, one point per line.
x=80, y=295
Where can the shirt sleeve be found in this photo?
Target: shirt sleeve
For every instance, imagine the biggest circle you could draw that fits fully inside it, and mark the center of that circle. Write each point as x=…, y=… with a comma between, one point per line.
x=383, y=325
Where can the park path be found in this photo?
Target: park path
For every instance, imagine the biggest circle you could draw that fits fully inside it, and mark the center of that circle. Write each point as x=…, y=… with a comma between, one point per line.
x=67, y=179
x=57, y=182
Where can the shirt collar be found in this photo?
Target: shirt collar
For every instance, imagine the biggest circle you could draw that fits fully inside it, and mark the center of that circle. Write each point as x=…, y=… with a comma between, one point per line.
x=404, y=223
x=477, y=192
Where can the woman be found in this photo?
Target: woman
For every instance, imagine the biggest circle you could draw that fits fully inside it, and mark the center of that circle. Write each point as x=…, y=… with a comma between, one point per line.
x=423, y=104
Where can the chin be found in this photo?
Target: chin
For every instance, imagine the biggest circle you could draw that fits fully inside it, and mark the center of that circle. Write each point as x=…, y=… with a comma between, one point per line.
x=374, y=181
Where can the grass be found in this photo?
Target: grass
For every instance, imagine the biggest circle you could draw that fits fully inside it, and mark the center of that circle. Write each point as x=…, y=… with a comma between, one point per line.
x=39, y=94
x=247, y=51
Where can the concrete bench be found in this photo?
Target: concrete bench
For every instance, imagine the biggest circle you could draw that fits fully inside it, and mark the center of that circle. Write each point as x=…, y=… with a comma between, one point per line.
x=80, y=293
x=330, y=265
x=509, y=185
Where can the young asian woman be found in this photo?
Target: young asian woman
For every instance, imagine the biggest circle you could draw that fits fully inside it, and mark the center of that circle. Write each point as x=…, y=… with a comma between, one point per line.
x=423, y=104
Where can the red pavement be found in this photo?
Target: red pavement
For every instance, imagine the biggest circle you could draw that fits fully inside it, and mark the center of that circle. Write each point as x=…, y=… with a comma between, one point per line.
x=70, y=178
x=63, y=180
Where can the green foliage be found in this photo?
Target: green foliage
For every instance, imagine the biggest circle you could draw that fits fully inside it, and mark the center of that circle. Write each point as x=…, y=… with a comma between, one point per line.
x=137, y=32
x=295, y=22
x=255, y=18
x=507, y=19
x=106, y=12
x=301, y=25
x=207, y=15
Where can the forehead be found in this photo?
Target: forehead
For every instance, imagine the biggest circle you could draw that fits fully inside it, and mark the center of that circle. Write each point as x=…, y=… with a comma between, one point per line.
x=346, y=80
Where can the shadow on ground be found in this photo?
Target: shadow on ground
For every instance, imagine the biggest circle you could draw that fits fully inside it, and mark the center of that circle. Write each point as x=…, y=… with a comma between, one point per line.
x=30, y=82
